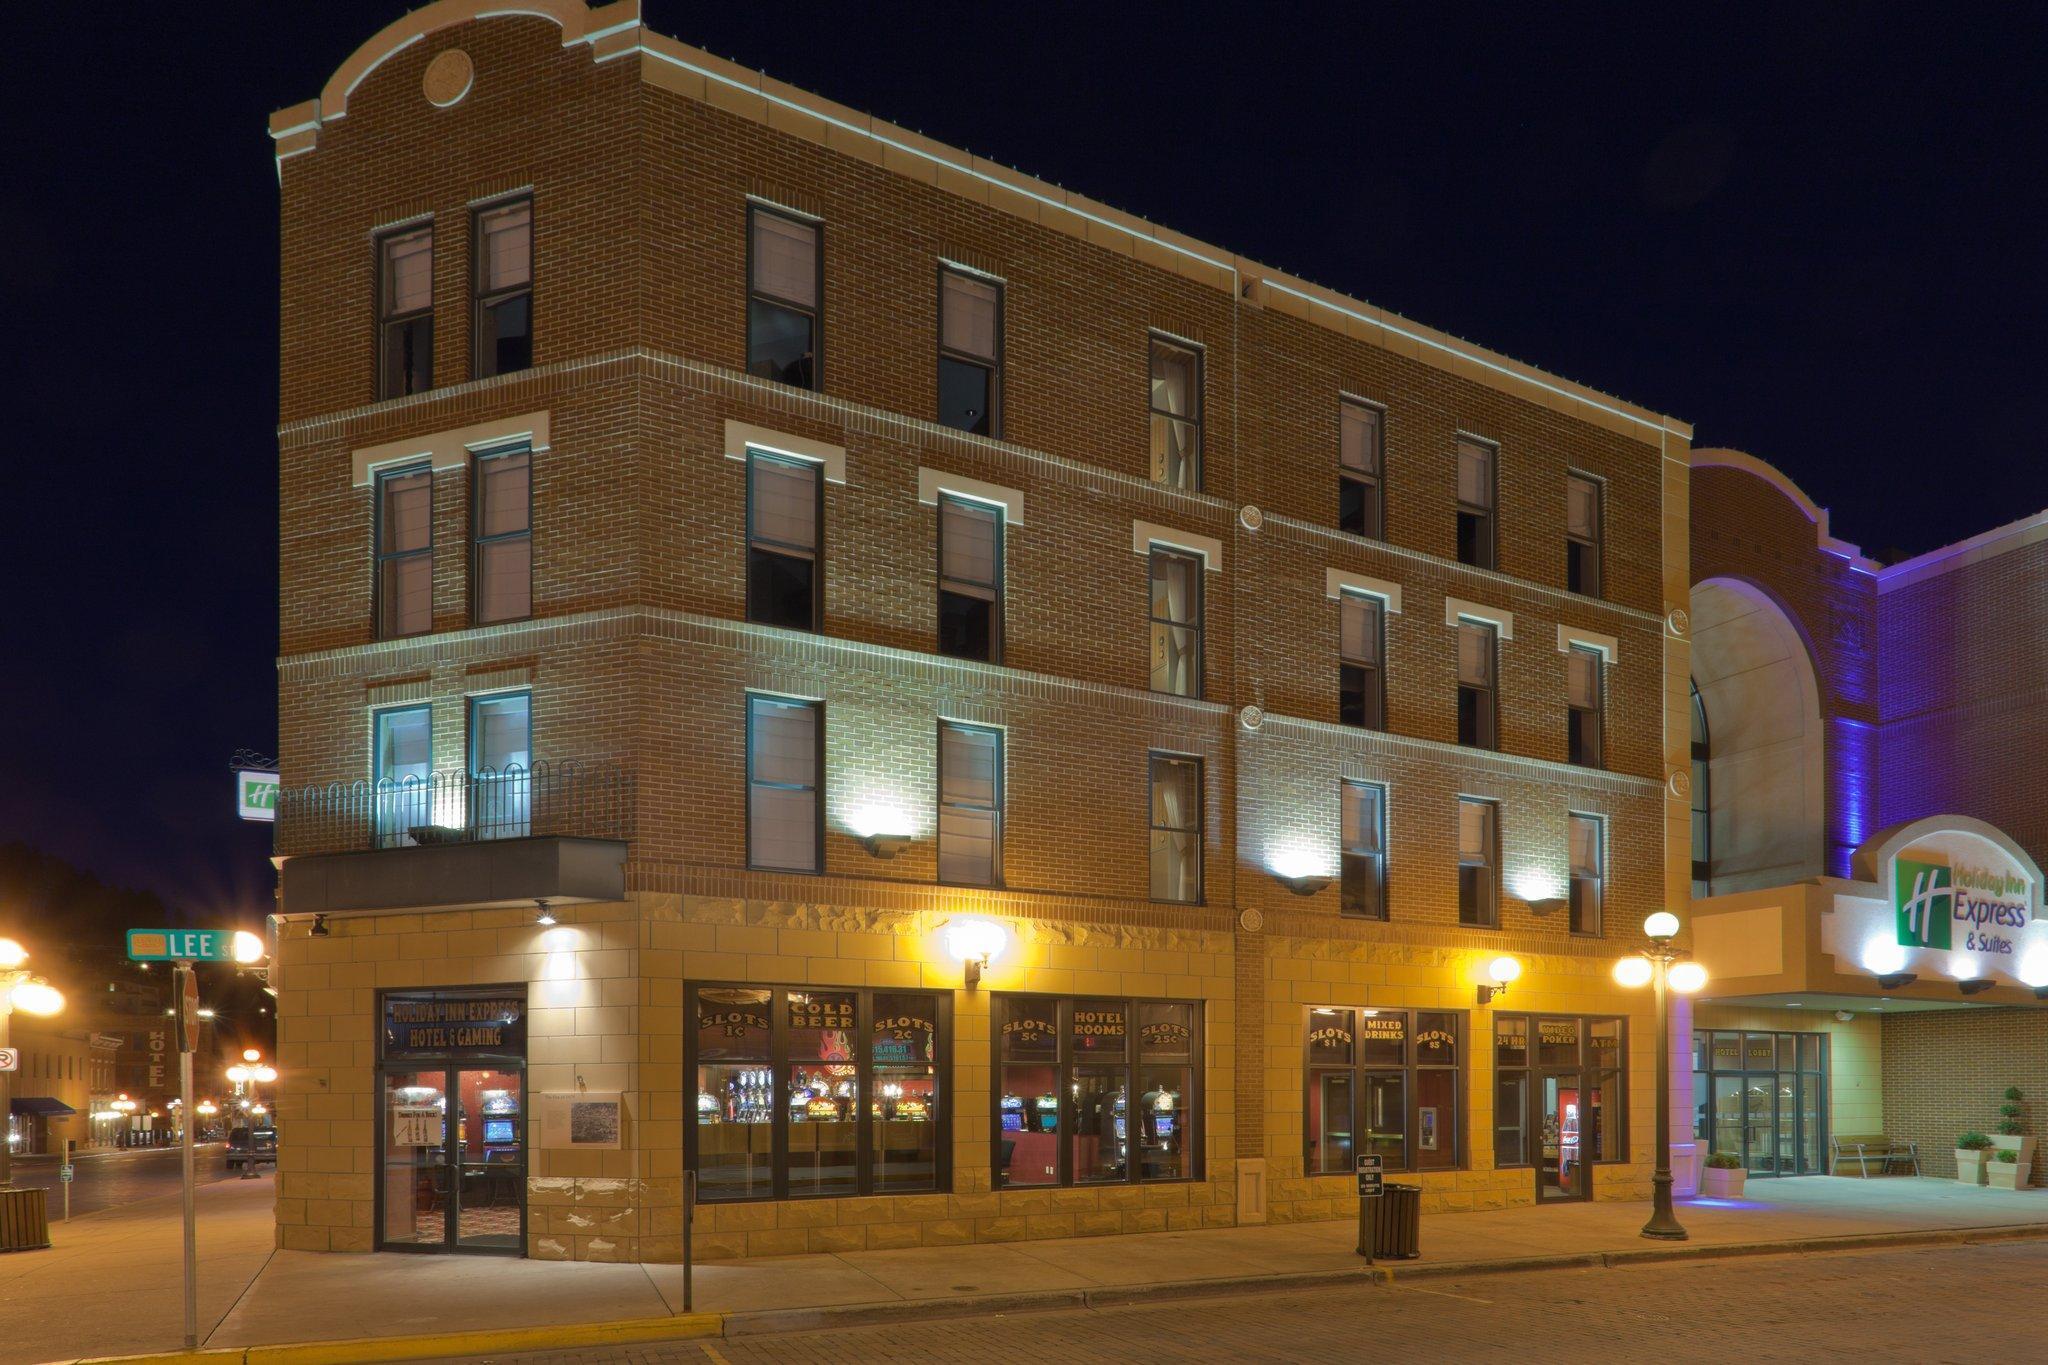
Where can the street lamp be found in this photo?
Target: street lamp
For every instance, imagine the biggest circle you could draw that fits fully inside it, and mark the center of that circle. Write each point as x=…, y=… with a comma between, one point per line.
x=24, y=991
x=1665, y=966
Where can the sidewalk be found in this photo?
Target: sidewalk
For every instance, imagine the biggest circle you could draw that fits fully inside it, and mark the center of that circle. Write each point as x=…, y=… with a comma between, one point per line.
x=111, y=1284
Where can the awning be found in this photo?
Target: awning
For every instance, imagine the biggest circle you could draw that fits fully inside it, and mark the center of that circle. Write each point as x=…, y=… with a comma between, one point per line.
x=41, y=1104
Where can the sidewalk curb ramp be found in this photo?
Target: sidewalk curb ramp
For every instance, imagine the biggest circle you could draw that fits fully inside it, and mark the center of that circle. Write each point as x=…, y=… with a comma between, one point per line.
x=771, y=1322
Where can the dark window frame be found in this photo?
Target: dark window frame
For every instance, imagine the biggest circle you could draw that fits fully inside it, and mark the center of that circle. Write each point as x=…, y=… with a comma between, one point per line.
x=992, y=364
x=1062, y=1063
x=1197, y=611
x=1486, y=699
x=1577, y=921
x=997, y=810
x=1596, y=547
x=1376, y=481
x=1773, y=1076
x=944, y=1071
x=1153, y=758
x=1358, y=1069
x=1378, y=861
x=1371, y=677
x=817, y=787
x=1583, y=1067
x=1486, y=536
x=382, y=557
x=814, y=311
x=386, y=322
x=1490, y=918
x=1000, y=513
x=1576, y=729
x=481, y=299
x=479, y=542
x=816, y=552
x=398, y=800
x=1196, y=418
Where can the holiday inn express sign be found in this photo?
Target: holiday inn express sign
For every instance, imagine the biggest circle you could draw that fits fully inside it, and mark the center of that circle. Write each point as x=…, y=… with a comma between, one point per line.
x=1967, y=905
x=1955, y=899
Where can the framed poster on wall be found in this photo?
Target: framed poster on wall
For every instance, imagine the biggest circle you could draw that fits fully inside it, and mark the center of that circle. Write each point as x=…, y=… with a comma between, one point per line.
x=583, y=1120
x=1425, y=1125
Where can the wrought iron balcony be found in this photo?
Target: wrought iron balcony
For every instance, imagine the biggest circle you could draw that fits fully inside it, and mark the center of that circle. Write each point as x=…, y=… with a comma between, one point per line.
x=563, y=798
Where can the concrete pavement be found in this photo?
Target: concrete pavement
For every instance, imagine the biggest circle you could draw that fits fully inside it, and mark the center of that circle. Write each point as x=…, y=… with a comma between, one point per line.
x=111, y=1284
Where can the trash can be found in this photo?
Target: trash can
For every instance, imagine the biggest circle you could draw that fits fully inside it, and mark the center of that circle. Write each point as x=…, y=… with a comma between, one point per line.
x=1396, y=1220
x=24, y=1220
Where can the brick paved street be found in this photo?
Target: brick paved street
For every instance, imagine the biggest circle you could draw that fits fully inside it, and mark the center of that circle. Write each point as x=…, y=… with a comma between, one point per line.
x=1939, y=1304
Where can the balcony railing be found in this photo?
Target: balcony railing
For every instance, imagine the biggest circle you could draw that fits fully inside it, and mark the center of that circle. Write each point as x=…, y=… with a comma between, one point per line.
x=567, y=798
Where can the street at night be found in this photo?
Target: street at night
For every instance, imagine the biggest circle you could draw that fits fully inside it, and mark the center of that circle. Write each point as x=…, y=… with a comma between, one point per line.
x=106, y=1180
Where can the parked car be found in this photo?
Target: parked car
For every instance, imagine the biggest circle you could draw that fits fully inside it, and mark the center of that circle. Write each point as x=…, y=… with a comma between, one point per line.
x=251, y=1146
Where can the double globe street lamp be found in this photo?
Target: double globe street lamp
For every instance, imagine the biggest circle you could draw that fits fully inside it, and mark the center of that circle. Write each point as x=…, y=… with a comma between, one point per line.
x=21, y=990
x=1666, y=967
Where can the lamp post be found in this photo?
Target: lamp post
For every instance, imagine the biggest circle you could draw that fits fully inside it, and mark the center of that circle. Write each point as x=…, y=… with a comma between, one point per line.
x=1670, y=970
x=249, y=1072
x=23, y=990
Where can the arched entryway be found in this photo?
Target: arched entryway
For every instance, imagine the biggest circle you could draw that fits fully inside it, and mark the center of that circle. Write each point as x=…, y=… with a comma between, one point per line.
x=1758, y=744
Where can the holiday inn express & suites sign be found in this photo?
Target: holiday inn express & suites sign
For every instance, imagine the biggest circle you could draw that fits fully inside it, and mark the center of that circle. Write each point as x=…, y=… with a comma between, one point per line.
x=1957, y=891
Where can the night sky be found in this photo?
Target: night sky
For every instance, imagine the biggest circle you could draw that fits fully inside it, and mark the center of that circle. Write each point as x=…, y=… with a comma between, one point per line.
x=1811, y=231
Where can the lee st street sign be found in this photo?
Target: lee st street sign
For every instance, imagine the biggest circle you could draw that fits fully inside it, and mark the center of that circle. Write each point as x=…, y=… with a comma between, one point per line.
x=174, y=945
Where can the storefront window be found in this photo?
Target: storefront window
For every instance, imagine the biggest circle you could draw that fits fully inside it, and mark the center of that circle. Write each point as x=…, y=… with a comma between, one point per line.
x=784, y=1076
x=1558, y=1097
x=1761, y=1098
x=1117, y=1077
x=1383, y=1082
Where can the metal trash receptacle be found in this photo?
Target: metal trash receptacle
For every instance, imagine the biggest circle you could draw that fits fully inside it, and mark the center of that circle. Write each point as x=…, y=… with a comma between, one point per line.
x=1397, y=1223
x=24, y=1220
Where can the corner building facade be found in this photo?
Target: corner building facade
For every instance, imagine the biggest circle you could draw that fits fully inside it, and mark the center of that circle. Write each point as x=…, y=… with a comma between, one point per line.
x=743, y=563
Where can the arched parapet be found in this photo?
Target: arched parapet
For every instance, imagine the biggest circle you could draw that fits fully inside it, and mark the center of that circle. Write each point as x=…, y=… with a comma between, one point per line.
x=1763, y=470
x=603, y=28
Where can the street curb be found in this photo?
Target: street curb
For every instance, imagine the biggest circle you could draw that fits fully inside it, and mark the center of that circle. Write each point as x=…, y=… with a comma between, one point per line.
x=782, y=1321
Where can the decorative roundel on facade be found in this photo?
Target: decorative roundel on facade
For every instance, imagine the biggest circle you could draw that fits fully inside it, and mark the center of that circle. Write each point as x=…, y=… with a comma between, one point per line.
x=448, y=78
x=1250, y=517
x=1680, y=784
x=1251, y=921
x=1251, y=717
x=1679, y=622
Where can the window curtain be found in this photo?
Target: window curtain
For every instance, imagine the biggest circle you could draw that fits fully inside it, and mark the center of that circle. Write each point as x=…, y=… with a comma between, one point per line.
x=1582, y=508
x=1173, y=380
x=967, y=315
x=1582, y=679
x=404, y=745
x=1475, y=654
x=1362, y=819
x=968, y=534
x=1360, y=629
x=1176, y=644
x=1176, y=833
x=1585, y=846
x=1475, y=833
x=505, y=504
x=786, y=259
x=504, y=733
x=785, y=502
x=408, y=512
x=1475, y=476
x=409, y=273
x=1359, y=439
x=508, y=247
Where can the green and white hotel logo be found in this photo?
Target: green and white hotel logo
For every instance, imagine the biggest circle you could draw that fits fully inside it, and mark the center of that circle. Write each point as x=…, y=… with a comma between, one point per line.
x=255, y=795
x=1924, y=899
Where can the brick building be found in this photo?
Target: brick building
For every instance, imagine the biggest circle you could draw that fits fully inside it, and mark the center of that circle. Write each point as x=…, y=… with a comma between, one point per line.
x=1867, y=832
x=745, y=564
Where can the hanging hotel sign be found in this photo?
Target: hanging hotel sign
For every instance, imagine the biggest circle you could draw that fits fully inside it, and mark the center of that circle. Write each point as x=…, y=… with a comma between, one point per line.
x=450, y=1025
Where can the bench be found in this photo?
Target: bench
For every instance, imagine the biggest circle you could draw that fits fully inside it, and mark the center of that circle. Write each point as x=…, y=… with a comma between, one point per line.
x=1865, y=1148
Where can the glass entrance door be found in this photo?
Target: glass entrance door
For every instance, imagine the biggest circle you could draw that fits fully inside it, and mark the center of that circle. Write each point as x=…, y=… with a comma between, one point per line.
x=1761, y=1097
x=454, y=1160
x=1563, y=1166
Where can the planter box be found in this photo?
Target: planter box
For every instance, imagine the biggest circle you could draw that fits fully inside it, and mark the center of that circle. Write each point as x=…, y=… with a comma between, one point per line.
x=1685, y=1168
x=2007, y=1175
x=1970, y=1166
x=1716, y=1183
x=2023, y=1145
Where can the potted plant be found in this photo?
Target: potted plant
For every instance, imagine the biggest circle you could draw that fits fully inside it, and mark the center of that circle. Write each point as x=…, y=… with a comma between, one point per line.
x=2012, y=1135
x=2006, y=1169
x=1970, y=1149
x=1722, y=1176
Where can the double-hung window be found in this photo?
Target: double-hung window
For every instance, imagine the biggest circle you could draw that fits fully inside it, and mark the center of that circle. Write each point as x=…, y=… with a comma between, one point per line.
x=1477, y=488
x=970, y=579
x=1176, y=415
x=970, y=353
x=1176, y=615
x=1365, y=851
x=1361, y=671
x=501, y=765
x=402, y=773
x=785, y=756
x=1478, y=692
x=502, y=522
x=405, y=311
x=1585, y=676
x=1478, y=863
x=1176, y=828
x=504, y=288
x=1095, y=1091
x=405, y=551
x=970, y=804
x=1383, y=1083
x=1360, y=442
x=785, y=508
x=784, y=281
x=1582, y=534
x=1589, y=877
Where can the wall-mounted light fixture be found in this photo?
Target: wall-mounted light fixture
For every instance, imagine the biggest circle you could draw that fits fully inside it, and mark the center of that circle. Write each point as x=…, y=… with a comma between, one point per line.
x=1305, y=885
x=884, y=846
x=1976, y=987
x=974, y=943
x=1891, y=981
x=546, y=918
x=1546, y=905
x=319, y=926
x=1501, y=972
